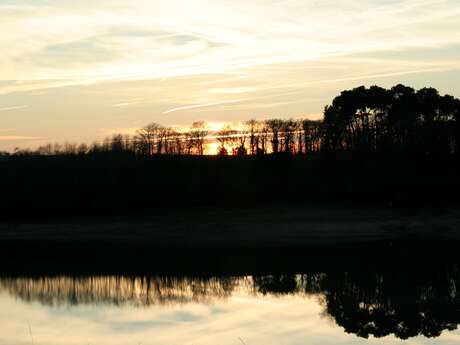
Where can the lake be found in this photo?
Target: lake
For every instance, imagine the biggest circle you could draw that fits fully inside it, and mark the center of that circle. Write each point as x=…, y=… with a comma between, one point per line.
x=415, y=304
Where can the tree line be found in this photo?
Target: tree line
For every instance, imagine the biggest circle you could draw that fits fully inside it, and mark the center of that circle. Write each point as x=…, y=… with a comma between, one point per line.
x=248, y=138
x=363, y=119
x=399, y=119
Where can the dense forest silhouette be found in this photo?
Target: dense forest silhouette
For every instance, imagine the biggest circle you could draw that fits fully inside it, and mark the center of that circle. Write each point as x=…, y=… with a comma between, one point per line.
x=393, y=147
x=419, y=301
x=373, y=119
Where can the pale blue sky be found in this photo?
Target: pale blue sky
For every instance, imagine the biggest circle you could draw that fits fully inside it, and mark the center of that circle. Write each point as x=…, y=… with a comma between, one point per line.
x=81, y=70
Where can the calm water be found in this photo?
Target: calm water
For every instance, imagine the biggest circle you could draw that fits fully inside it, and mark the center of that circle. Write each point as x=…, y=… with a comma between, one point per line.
x=419, y=306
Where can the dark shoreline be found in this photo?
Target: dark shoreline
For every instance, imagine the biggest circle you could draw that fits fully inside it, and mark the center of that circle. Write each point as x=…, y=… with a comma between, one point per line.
x=49, y=259
x=233, y=241
x=276, y=225
x=74, y=188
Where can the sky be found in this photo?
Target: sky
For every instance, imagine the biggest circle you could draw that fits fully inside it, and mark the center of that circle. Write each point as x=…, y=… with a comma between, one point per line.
x=78, y=71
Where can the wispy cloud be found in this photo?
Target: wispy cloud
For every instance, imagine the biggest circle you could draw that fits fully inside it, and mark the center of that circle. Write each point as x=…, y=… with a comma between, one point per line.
x=120, y=130
x=231, y=90
x=128, y=103
x=125, y=39
x=385, y=75
x=125, y=104
x=204, y=105
x=18, y=138
x=17, y=107
x=88, y=65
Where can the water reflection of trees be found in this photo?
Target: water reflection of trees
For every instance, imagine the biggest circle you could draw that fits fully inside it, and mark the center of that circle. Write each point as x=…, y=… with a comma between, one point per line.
x=137, y=291
x=403, y=303
x=406, y=304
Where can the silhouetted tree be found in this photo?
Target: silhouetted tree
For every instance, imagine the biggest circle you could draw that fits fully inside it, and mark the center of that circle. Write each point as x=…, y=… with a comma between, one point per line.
x=368, y=120
x=287, y=134
x=400, y=119
x=311, y=131
x=147, y=138
x=252, y=129
x=224, y=138
x=198, y=133
x=275, y=126
x=262, y=138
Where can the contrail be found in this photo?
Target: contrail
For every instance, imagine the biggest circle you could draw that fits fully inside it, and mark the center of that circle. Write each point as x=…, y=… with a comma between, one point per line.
x=194, y=106
x=14, y=108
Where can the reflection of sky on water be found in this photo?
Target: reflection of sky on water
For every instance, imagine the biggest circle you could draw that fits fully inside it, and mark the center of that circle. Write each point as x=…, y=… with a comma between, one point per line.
x=288, y=319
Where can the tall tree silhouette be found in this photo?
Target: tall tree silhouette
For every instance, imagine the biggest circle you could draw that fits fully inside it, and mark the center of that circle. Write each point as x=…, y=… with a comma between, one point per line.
x=275, y=126
x=400, y=119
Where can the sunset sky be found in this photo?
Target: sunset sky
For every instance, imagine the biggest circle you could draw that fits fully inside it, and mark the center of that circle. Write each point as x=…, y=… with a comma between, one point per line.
x=81, y=70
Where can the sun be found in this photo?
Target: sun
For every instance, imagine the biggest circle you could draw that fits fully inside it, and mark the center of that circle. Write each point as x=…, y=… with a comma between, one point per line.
x=212, y=148
x=216, y=126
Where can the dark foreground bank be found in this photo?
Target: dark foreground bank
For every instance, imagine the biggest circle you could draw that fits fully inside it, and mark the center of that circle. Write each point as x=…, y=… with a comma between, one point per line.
x=180, y=213
x=85, y=259
x=74, y=187
x=204, y=240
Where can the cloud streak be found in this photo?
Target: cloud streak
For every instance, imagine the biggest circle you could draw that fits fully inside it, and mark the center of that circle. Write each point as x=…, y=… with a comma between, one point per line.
x=204, y=105
x=17, y=138
x=142, y=38
x=17, y=107
x=113, y=63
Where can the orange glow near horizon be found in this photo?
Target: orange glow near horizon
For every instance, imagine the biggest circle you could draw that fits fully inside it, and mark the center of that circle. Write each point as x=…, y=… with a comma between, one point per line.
x=212, y=148
x=216, y=126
